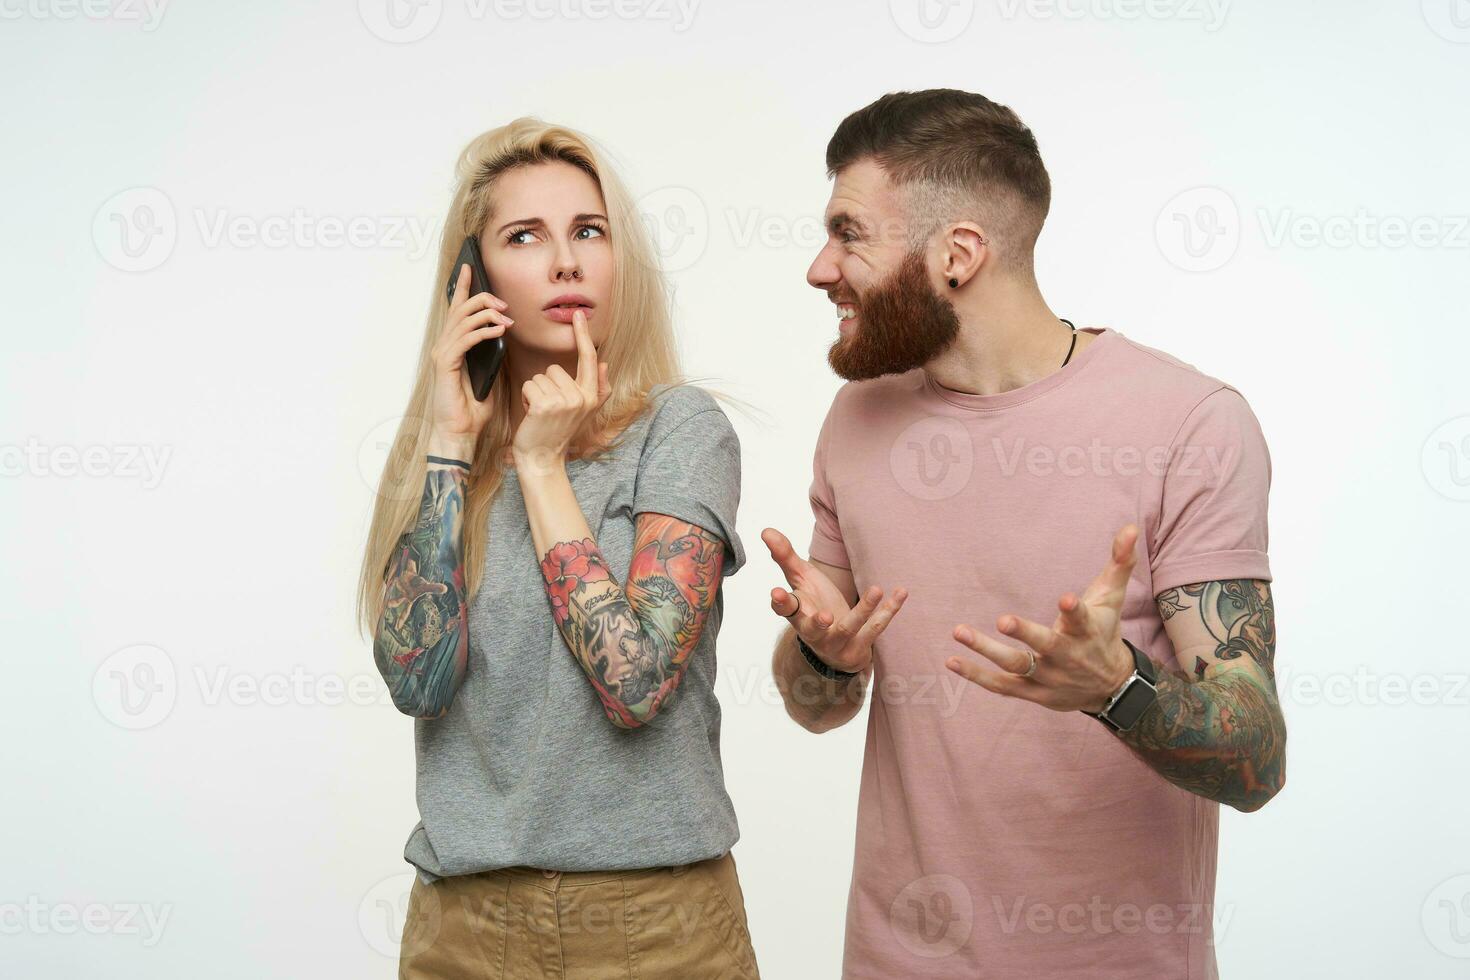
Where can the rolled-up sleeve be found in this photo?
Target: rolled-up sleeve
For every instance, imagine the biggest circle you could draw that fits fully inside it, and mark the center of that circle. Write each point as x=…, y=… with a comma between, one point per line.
x=1212, y=517
x=826, y=542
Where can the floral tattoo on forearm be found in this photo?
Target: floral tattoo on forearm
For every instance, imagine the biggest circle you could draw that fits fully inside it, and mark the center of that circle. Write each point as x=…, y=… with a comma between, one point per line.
x=634, y=642
x=422, y=644
x=1221, y=733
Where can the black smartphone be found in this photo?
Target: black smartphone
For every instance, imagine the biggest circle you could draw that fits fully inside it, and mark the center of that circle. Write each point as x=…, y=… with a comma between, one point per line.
x=484, y=359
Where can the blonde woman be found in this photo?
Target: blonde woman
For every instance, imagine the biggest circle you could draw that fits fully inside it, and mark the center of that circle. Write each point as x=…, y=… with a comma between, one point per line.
x=546, y=605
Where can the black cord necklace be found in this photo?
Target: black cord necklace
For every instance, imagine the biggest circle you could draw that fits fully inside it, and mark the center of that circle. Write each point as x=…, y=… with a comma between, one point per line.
x=1074, y=339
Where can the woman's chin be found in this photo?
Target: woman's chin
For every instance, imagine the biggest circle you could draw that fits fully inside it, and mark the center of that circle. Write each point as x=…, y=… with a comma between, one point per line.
x=548, y=341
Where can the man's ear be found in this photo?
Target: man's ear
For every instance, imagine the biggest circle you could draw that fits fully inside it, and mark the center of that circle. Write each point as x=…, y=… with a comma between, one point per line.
x=965, y=248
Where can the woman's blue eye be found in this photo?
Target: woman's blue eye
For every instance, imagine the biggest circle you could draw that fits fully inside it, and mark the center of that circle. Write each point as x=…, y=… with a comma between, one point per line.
x=511, y=238
x=595, y=228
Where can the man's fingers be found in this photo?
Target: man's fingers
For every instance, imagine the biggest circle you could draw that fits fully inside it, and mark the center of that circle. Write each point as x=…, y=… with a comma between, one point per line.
x=1114, y=577
x=1034, y=635
x=1007, y=658
x=854, y=618
x=777, y=543
x=788, y=606
x=879, y=619
x=995, y=681
x=784, y=555
x=1076, y=620
x=785, y=604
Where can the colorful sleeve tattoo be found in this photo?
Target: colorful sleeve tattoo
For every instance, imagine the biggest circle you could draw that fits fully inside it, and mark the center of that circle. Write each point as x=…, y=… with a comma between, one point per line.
x=1219, y=733
x=634, y=643
x=422, y=644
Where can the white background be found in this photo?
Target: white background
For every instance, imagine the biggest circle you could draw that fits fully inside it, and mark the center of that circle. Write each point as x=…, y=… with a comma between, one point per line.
x=201, y=775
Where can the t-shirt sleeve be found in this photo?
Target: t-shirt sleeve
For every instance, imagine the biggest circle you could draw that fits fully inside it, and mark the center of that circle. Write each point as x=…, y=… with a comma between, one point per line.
x=691, y=470
x=1212, y=517
x=826, y=543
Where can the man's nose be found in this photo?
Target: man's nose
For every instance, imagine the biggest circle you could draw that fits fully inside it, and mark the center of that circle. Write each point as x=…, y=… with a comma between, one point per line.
x=822, y=273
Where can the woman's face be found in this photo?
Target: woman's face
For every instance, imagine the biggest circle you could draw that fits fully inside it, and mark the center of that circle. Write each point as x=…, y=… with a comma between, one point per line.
x=549, y=221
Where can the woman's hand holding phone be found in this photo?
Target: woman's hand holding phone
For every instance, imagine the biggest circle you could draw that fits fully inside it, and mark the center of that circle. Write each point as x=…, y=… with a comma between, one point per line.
x=458, y=417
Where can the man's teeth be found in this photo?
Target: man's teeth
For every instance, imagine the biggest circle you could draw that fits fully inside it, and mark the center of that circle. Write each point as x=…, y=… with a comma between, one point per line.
x=846, y=312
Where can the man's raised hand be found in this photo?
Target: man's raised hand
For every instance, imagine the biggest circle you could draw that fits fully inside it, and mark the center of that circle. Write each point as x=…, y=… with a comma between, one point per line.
x=841, y=636
x=1079, y=662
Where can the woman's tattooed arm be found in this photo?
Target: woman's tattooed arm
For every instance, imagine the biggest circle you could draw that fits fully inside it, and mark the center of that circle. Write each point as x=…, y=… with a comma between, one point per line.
x=634, y=642
x=422, y=641
x=1218, y=730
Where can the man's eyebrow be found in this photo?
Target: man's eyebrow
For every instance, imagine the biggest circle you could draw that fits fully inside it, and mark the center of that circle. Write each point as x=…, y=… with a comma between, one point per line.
x=844, y=218
x=537, y=222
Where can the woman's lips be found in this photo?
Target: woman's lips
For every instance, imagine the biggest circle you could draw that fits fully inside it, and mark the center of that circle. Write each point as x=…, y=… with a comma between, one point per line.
x=563, y=314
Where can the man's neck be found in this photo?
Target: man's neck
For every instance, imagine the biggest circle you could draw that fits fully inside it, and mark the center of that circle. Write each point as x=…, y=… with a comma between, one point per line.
x=1008, y=338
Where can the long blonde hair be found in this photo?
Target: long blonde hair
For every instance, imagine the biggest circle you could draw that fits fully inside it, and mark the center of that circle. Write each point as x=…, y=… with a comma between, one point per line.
x=639, y=348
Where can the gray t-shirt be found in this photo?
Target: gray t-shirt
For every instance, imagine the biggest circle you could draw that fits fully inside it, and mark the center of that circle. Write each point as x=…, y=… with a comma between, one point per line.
x=526, y=768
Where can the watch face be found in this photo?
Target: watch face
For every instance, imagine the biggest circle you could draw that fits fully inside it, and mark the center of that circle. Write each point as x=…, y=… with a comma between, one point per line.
x=1131, y=706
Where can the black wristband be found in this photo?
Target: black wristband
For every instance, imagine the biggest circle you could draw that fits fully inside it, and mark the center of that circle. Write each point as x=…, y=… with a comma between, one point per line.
x=820, y=666
x=1137, y=695
x=448, y=462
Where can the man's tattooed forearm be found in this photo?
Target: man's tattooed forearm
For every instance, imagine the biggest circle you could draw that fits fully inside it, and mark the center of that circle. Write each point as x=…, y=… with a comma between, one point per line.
x=422, y=643
x=1220, y=735
x=634, y=642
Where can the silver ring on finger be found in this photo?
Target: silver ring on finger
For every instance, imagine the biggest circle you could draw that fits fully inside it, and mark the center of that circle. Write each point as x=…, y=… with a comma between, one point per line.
x=1032, y=668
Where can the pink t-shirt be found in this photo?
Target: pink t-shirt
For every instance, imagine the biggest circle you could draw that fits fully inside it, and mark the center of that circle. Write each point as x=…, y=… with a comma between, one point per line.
x=995, y=837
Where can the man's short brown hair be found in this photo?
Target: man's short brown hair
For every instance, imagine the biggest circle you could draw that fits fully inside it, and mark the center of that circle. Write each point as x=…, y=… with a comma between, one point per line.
x=955, y=155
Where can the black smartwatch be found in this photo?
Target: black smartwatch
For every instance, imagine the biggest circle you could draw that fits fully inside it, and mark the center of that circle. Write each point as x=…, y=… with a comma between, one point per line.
x=820, y=666
x=1136, y=696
